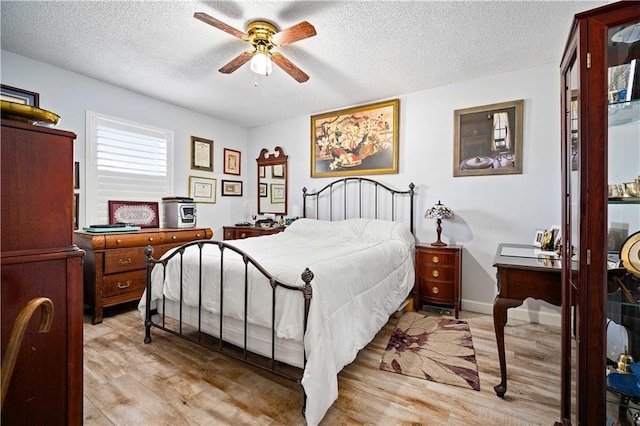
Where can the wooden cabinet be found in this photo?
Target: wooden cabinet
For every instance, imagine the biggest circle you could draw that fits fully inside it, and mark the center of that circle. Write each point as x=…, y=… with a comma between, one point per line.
x=115, y=263
x=438, y=271
x=38, y=259
x=240, y=232
x=600, y=129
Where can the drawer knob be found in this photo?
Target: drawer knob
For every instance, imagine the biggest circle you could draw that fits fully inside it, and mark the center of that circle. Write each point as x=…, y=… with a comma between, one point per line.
x=435, y=259
x=150, y=238
x=435, y=290
x=197, y=235
x=243, y=235
x=435, y=274
x=118, y=241
x=173, y=237
x=125, y=261
x=125, y=285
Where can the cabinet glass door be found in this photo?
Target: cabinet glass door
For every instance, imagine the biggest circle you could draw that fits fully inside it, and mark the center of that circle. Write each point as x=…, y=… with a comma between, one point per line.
x=623, y=219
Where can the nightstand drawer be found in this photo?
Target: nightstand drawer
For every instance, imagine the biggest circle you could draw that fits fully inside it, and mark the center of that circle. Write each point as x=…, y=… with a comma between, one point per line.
x=123, y=260
x=438, y=258
x=438, y=273
x=128, y=282
x=436, y=290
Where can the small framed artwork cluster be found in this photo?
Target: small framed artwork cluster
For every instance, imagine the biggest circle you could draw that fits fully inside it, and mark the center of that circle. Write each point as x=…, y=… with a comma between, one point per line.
x=203, y=189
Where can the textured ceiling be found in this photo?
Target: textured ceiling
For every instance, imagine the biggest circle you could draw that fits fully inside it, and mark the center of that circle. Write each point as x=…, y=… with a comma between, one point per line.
x=364, y=50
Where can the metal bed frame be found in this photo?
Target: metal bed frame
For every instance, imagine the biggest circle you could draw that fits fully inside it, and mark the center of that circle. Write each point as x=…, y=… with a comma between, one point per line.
x=154, y=319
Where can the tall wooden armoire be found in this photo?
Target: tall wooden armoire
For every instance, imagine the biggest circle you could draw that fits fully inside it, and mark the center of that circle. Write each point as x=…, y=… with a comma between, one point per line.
x=38, y=259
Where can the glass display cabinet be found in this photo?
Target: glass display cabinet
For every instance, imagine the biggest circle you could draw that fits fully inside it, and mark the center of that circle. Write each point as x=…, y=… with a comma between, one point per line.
x=600, y=124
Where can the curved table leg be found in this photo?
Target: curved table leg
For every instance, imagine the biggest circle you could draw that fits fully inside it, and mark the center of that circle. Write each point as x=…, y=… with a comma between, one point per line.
x=500, y=306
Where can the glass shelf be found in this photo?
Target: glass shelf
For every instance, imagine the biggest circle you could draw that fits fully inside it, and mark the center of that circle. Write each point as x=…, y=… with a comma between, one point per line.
x=621, y=113
x=625, y=200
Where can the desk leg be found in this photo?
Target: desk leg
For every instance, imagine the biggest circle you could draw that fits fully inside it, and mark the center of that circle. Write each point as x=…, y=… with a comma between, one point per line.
x=500, y=306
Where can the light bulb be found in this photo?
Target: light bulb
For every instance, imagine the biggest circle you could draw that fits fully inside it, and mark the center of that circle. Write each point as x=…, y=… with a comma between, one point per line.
x=261, y=63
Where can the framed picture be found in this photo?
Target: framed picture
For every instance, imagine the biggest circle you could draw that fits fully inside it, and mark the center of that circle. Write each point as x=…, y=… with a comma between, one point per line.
x=201, y=154
x=488, y=139
x=261, y=172
x=137, y=213
x=263, y=189
x=277, y=193
x=76, y=175
x=277, y=171
x=20, y=96
x=202, y=190
x=76, y=211
x=537, y=239
x=356, y=141
x=231, y=188
x=231, y=162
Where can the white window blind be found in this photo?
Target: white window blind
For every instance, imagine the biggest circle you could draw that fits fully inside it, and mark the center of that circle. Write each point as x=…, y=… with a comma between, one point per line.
x=126, y=161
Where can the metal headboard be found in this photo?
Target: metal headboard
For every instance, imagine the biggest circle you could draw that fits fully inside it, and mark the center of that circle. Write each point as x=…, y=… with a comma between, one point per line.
x=336, y=194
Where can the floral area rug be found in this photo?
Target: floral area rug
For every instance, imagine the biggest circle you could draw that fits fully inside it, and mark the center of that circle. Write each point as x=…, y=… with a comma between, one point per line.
x=432, y=348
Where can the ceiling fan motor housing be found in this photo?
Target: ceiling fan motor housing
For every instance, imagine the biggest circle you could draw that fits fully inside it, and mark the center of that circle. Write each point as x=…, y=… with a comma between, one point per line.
x=259, y=34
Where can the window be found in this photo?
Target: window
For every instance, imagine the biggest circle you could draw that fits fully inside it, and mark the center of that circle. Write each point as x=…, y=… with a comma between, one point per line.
x=125, y=161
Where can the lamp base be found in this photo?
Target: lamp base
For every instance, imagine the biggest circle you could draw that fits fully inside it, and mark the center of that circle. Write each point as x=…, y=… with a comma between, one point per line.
x=438, y=244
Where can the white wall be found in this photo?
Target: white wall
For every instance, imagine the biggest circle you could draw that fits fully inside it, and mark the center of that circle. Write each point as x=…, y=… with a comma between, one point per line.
x=489, y=209
x=70, y=95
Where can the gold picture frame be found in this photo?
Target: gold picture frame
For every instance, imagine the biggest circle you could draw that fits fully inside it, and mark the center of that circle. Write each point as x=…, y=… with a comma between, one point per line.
x=277, y=193
x=202, y=190
x=201, y=154
x=356, y=141
x=488, y=139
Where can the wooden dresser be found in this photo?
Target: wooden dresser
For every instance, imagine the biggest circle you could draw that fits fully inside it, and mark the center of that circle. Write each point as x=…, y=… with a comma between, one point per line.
x=240, y=232
x=38, y=259
x=438, y=275
x=115, y=263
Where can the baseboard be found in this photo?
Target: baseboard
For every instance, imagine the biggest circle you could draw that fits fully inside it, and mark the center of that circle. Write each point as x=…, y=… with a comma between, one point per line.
x=519, y=313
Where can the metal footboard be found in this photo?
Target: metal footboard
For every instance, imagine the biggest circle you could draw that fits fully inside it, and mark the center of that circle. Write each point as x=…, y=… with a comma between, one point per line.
x=196, y=334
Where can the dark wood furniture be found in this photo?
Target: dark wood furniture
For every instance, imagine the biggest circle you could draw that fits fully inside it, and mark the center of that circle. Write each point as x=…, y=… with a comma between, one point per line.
x=438, y=276
x=240, y=232
x=600, y=146
x=38, y=259
x=115, y=263
x=521, y=274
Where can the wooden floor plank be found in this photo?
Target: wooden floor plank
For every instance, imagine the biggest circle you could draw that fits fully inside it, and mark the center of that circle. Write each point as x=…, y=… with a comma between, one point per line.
x=171, y=381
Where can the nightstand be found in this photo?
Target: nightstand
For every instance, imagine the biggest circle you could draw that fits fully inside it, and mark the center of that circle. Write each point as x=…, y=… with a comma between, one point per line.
x=438, y=276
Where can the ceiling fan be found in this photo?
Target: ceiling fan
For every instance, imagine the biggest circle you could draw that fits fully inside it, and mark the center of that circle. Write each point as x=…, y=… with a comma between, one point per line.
x=264, y=36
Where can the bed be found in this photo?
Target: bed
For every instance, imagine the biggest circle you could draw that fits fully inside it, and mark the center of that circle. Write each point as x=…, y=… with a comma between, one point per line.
x=300, y=303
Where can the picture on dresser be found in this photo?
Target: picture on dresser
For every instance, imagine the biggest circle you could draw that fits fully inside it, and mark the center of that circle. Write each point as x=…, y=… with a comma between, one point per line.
x=138, y=213
x=488, y=139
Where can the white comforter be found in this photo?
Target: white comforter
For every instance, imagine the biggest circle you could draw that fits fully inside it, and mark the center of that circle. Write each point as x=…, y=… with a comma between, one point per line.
x=363, y=271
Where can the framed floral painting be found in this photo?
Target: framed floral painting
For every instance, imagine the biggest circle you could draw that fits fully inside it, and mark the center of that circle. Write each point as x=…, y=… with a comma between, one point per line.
x=356, y=141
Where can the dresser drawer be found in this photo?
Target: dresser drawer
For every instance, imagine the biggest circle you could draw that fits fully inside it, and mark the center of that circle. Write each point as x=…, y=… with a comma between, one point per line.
x=123, y=260
x=437, y=273
x=183, y=236
x=437, y=290
x=125, y=283
x=437, y=258
x=137, y=239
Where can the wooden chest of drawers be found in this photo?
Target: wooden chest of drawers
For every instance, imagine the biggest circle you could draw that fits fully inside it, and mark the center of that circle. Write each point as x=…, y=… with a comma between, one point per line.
x=115, y=263
x=438, y=271
x=240, y=232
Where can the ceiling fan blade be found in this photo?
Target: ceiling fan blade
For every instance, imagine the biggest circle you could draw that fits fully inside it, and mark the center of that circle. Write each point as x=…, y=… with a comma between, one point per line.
x=236, y=63
x=289, y=68
x=297, y=32
x=220, y=25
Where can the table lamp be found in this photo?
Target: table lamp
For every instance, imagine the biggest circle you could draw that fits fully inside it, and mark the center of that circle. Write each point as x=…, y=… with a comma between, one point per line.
x=439, y=212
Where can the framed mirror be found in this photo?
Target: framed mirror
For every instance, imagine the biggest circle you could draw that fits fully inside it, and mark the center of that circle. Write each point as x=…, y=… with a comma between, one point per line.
x=272, y=182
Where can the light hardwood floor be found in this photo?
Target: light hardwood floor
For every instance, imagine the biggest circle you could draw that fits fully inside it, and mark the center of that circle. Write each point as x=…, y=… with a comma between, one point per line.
x=173, y=382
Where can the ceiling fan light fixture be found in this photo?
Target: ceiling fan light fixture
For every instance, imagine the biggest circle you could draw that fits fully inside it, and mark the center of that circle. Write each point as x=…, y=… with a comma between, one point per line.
x=261, y=61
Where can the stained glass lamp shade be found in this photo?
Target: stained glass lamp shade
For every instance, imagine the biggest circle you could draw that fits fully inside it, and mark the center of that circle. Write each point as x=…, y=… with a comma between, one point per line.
x=439, y=212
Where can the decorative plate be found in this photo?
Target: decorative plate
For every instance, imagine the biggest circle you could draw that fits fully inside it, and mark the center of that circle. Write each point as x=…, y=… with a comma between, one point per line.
x=28, y=114
x=630, y=254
